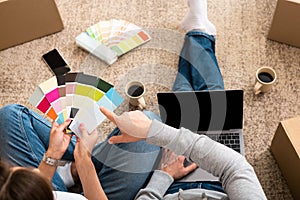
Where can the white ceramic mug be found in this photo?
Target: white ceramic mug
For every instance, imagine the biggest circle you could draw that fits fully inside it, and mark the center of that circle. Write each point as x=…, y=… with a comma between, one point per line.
x=135, y=91
x=264, y=80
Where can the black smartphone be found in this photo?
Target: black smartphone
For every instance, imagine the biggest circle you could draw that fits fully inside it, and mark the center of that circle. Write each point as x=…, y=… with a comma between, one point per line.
x=56, y=62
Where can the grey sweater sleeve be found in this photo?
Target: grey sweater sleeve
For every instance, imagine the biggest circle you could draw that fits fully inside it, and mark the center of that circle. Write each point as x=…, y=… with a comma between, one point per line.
x=157, y=186
x=236, y=174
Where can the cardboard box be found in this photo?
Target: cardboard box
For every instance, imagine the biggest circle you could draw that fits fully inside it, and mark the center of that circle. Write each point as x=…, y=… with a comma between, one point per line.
x=25, y=20
x=286, y=150
x=285, y=26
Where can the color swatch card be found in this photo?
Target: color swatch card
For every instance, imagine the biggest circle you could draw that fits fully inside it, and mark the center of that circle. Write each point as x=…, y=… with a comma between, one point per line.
x=119, y=35
x=76, y=96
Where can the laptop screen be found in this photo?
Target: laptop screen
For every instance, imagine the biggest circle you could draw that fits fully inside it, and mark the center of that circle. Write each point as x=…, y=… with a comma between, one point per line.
x=202, y=110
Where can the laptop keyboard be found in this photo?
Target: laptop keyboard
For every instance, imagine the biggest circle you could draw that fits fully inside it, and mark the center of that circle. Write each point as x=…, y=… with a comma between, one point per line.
x=231, y=140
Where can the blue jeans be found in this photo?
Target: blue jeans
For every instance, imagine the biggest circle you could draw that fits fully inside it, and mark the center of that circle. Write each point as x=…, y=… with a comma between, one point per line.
x=24, y=138
x=198, y=69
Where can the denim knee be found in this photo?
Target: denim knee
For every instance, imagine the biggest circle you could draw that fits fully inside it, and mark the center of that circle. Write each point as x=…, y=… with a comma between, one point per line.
x=10, y=111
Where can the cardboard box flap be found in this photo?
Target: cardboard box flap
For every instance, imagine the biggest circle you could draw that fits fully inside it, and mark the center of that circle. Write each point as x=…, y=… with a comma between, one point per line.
x=22, y=21
x=294, y=1
x=285, y=24
x=292, y=128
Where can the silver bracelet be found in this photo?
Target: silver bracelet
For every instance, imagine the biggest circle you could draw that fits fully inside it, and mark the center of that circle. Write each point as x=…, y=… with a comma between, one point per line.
x=53, y=162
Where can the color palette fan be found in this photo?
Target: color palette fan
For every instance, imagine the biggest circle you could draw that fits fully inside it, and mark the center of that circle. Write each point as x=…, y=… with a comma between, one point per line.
x=118, y=35
x=76, y=96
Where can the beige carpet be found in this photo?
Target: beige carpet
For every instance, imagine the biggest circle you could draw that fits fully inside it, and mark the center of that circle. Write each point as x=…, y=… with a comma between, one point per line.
x=241, y=48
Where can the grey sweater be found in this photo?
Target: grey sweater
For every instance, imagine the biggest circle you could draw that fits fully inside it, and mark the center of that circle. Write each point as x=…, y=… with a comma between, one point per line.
x=236, y=174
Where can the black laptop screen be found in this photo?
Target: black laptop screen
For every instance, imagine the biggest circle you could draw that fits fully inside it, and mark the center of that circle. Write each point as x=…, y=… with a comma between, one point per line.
x=202, y=110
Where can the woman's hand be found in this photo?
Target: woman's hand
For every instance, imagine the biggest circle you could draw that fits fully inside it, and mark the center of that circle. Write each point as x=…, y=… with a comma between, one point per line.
x=92, y=188
x=59, y=140
x=84, y=145
x=133, y=125
x=58, y=144
x=177, y=169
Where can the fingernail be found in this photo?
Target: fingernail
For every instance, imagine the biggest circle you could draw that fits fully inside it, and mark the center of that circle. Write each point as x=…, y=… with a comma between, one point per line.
x=110, y=142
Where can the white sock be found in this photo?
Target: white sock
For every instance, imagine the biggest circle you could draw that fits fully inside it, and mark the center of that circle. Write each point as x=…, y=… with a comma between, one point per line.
x=197, y=19
x=65, y=174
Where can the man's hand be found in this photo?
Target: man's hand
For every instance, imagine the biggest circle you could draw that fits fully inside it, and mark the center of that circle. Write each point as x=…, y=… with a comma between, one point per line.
x=177, y=169
x=84, y=145
x=134, y=126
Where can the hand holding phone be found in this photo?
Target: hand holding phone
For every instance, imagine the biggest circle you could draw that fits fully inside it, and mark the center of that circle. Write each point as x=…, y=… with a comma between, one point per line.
x=56, y=62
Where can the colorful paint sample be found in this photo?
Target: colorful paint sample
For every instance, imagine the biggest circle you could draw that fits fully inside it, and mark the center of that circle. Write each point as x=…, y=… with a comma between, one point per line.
x=49, y=88
x=44, y=105
x=103, y=86
x=81, y=99
x=84, y=84
x=114, y=97
x=120, y=35
x=99, y=91
x=61, y=82
x=73, y=112
x=105, y=102
x=39, y=100
x=70, y=80
x=111, y=100
x=76, y=96
x=129, y=43
x=51, y=92
x=91, y=118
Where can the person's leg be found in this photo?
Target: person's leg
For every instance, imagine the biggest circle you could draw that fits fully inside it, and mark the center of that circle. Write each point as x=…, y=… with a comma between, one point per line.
x=198, y=67
x=24, y=138
x=126, y=167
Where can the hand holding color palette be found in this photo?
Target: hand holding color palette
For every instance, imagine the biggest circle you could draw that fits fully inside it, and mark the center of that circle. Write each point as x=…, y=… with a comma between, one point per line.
x=76, y=96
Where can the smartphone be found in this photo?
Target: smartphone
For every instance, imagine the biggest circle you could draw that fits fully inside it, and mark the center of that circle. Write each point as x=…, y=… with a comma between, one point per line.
x=56, y=62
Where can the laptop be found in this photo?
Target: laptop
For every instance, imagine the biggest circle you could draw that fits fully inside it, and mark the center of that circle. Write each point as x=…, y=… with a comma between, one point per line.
x=215, y=113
